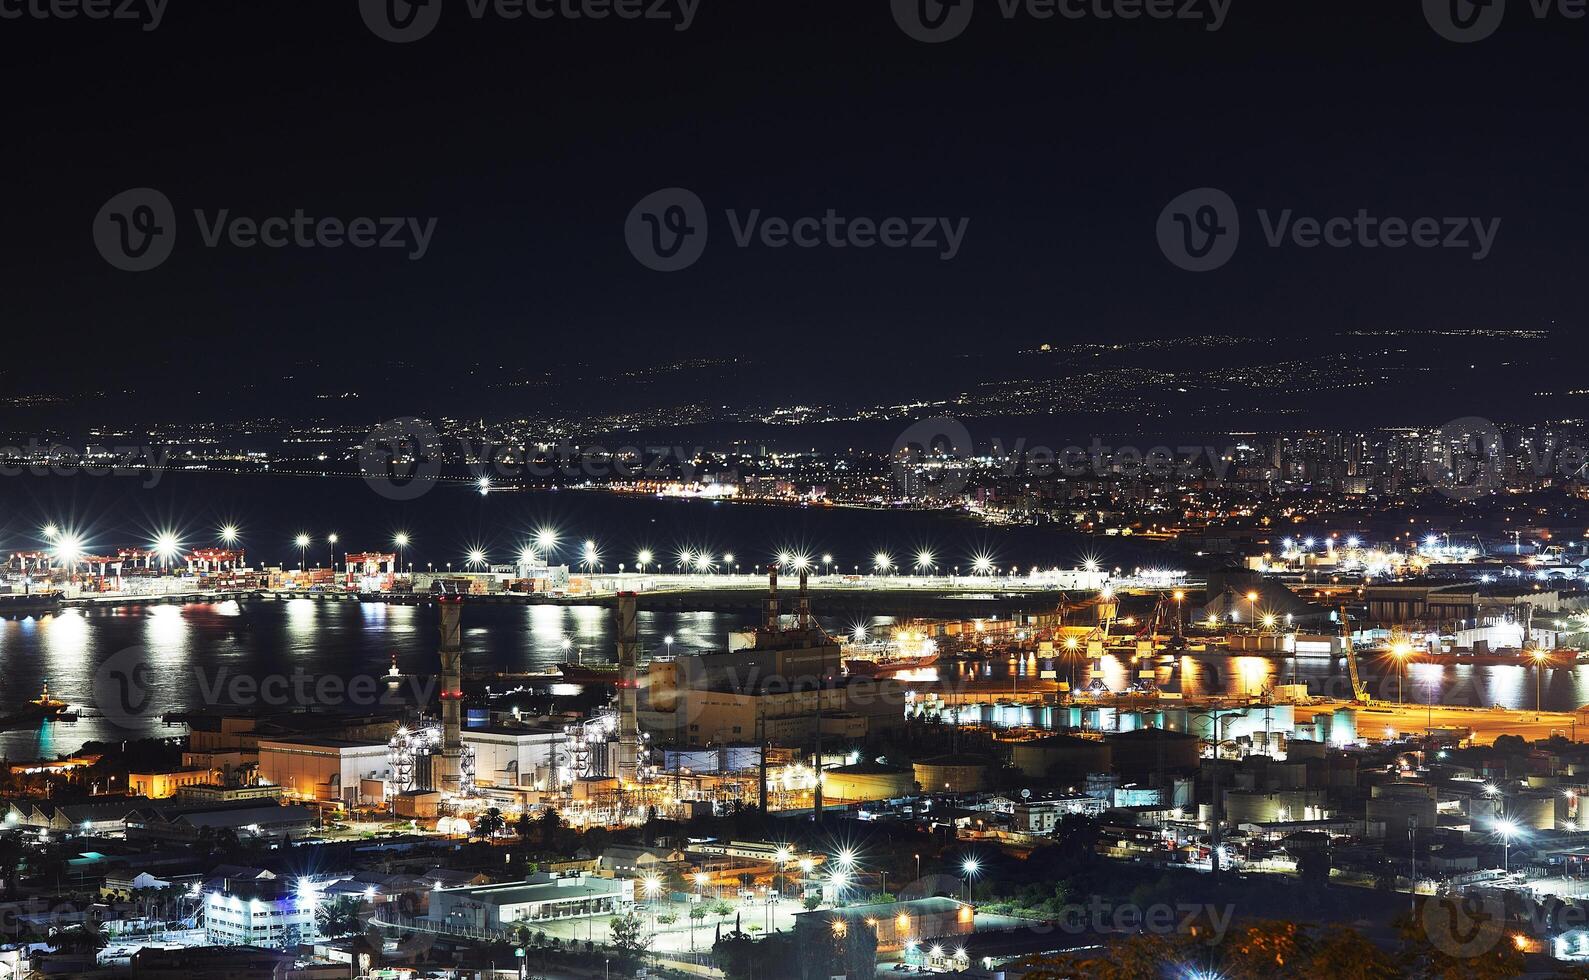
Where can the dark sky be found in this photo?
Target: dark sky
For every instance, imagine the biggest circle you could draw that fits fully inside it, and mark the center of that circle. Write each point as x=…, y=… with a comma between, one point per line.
x=529, y=141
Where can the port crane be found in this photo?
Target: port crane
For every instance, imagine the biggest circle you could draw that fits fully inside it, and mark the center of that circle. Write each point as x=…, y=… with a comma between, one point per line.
x=1359, y=692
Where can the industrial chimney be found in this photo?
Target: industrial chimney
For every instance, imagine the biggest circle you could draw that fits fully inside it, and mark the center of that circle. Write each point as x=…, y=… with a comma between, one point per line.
x=770, y=612
x=628, y=689
x=803, y=609
x=447, y=768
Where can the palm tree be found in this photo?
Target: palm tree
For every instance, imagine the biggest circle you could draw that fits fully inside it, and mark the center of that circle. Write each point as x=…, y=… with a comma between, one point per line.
x=490, y=824
x=340, y=916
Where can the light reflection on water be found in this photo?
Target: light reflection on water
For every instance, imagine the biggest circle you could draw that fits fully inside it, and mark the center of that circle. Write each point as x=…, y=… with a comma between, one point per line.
x=189, y=644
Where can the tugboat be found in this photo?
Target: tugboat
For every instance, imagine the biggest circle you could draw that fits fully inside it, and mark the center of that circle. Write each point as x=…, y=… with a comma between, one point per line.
x=42, y=708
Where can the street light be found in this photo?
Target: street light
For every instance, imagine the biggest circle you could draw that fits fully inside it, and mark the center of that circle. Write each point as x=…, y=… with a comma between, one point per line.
x=1540, y=656
x=1506, y=828
x=331, y=551
x=1400, y=651
x=400, y=540
x=302, y=541
x=971, y=867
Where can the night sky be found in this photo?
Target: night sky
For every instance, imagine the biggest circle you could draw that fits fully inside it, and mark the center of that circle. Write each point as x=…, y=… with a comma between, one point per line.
x=1057, y=142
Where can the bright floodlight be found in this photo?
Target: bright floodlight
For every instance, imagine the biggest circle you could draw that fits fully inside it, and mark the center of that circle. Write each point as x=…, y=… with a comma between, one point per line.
x=400, y=539
x=971, y=866
x=477, y=557
x=925, y=560
x=840, y=879
x=1431, y=541
x=644, y=557
x=333, y=539
x=702, y=877
x=302, y=541
x=982, y=564
x=858, y=634
x=782, y=854
x=1506, y=828
x=728, y=558
x=167, y=546
x=653, y=886
x=785, y=558
x=1091, y=565
x=846, y=858
x=703, y=562
x=529, y=557
x=51, y=532
x=1353, y=541
x=68, y=548
x=545, y=539
x=229, y=534
x=882, y=561
x=484, y=483
x=590, y=546
x=827, y=559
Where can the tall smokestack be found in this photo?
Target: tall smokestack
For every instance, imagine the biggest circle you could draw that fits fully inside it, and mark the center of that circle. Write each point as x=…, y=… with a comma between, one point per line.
x=447, y=767
x=770, y=608
x=628, y=689
x=803, y=609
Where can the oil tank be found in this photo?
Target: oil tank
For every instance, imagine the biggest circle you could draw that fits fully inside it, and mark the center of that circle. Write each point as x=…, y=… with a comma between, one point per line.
x=1301, y=750
x=867, y=781
x=1061, y=757
x=1343, y=726
x=1534, y=811
x=954, y=774
x=1269, y=806
x=1150, y=749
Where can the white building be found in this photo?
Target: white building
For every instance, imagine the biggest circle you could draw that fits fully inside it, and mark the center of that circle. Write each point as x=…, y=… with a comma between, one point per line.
x=539, y=898
x=527, y=757
x=322, y=769
x=260, y=910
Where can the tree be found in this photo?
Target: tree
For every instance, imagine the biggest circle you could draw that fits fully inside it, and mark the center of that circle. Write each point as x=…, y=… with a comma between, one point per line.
x=811, y=902
x=340, y=916
x=721, y=909
x=550, y=821
x=490, y=824
x=629, y=936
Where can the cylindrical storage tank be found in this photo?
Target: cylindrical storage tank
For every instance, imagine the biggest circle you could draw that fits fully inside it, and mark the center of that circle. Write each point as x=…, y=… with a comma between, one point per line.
x=1533, y=811
x=867, y=781
x=1252, y=806
x=1343, y=726
x=1395, y=810
x=1152, y=749
x=1301, y=750
x=1061, y=757
x=954, y=774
